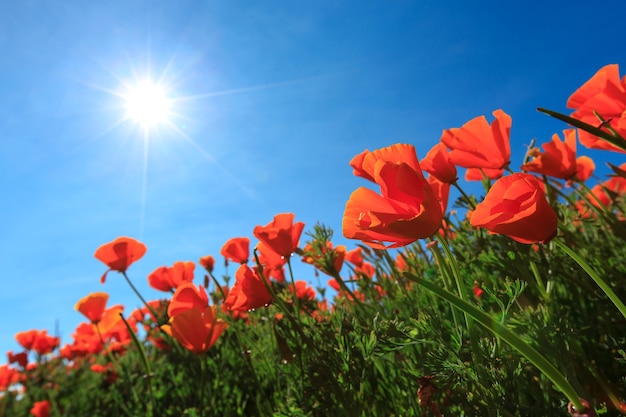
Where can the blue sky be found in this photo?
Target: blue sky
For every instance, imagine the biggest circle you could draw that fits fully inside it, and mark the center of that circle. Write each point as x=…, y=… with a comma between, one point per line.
x=271, y=101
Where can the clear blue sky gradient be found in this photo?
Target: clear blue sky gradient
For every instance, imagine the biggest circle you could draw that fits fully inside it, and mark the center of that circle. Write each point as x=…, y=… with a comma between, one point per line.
x=273, y=99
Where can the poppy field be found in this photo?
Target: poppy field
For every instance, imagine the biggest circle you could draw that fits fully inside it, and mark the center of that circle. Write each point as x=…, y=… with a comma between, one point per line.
x=509, y=303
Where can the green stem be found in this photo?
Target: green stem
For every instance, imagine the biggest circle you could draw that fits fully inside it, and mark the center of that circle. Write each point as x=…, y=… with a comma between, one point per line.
x=202, y=381
x=296, y=301
x=141, y=298
x=594, y=275
x=470, y=202
x=144, y=361
x=508, y=336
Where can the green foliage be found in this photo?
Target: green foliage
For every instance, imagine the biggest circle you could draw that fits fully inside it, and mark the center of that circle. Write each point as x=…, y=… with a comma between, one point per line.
x=388, y=346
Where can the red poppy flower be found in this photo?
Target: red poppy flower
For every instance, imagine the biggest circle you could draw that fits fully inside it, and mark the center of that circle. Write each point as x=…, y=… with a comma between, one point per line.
x=237, y=250
x=197, y=329
x=407, y=208
x=559, y=159
x=38, y=341
x=249, y=291
x=20, y=358
x=479, y=145
x=93, y=306
x=111, y=318
x=8, y=376
x=273, y=264
x=364, y=164
x=605, y=95
x=438, y=164
x=207, y=262
x=281, y=235
x=441, y=190
x=355, y=256
x=304, y=292
x=516, y=206
x=41, y=409
x=119, y=254
x=168, y=279
x=186, y=297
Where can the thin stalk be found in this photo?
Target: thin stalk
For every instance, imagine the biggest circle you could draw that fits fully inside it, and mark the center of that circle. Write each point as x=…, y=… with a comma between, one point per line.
x=144, y=361
x=447, y=282
x=296, y=301
x=594, y=275
x=499, y=330
x=202, y=381
x=470, y=202
x=140, y=297
x=460, y=285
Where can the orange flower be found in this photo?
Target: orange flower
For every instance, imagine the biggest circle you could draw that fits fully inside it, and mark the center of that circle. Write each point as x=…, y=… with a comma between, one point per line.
x=110, y=319
x=237, y=250
x=408, y=208
x=249, y=291
x=186, y=297
x=479, y=145
x=516, y=206
x=197, y=329
x=20, y=358
x=38, y=341
x=604, y=94
x=207, y=262
x=438, y=164
x=168, y=279
x=364, y=164
x=441, y=190
x=355, y=256
x=8, y=376
x=41, y=409
x=272, y=263
x=119, y=254
x=93, y=306
x=559, y=159
x=304, y=292
x=281, y=235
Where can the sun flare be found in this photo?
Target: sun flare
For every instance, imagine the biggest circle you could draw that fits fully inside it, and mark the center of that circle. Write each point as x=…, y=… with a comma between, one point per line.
x=147, y=104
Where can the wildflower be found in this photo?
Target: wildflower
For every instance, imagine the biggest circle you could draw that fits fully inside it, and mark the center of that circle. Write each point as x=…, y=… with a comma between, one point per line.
x=8, y=376
x=364, y=164
x=249, y=291
x=407, y=208
x=207, y=262
x=186, y=297
x=480, y=147
x=39, y=341
x=197, y=329
x=41, y=409
x=20, y=358
x=516, y=206
x=438, y=164
x=304, y=292
x=355, y=257
x=169, y=278
x=441, y=190
x=119, y=254
x=281, y=235
x=237, y=250
x=605, y=95
x=93, y=306
x=559, y=159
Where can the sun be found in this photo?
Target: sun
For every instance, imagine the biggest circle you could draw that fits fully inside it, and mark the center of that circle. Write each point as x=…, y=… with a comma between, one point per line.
x=147, y=104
